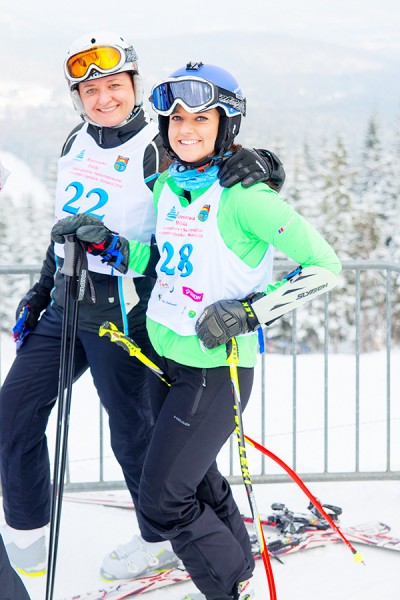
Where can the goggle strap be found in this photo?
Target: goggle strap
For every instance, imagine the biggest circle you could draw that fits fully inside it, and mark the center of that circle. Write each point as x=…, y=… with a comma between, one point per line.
x=231, y=99
x=130, y=54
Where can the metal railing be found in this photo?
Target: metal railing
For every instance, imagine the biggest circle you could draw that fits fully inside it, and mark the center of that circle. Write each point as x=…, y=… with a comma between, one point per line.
x=353, y=425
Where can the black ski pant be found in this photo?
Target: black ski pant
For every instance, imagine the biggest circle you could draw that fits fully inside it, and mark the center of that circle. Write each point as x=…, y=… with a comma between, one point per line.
x=183, y=496
x=11, y=586
x=28, y=396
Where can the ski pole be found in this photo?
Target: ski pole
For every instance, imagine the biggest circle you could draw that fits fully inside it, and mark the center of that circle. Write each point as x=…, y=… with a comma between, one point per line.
x=66, y=372
x=133, y=349
x=110, y=330
x=233, y=358
x=358, y=556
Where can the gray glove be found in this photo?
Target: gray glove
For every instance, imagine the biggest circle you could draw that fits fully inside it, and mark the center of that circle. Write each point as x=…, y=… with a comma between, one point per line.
x=223, y=320
x=100, y=241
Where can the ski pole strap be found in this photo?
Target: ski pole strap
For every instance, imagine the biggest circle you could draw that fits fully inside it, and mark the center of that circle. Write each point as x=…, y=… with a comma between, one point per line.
x=76, y=267
x=113, y=255
x=232, y=352
x=261, y=340
x=68, y=268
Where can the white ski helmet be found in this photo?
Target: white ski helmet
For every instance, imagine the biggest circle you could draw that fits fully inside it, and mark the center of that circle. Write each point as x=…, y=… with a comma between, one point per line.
x=98, y=54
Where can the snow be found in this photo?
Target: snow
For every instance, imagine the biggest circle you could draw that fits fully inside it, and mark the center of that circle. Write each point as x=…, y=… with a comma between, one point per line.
x=89, y=532
x=21, y=180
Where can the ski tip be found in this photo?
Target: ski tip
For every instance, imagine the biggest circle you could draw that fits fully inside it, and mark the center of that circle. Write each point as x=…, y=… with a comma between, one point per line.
x=359, y=558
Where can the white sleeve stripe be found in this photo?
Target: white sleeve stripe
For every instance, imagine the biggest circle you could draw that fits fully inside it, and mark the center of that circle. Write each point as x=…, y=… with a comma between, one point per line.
x=311, y=282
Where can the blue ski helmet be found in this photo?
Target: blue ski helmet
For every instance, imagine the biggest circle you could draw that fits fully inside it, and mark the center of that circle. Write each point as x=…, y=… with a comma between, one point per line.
x=199, y=87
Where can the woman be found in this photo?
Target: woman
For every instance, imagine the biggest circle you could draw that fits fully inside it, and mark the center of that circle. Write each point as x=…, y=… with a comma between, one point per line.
x=215, y=246
x=108, y=168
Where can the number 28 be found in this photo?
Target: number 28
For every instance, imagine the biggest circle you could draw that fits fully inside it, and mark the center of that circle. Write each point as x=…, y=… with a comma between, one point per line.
x=184, y=265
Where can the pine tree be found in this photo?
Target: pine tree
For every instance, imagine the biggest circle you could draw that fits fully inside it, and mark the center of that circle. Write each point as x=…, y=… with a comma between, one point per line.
x=393, y=238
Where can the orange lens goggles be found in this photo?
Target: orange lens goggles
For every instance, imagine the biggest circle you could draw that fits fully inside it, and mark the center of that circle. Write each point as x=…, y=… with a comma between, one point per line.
x=103, y=58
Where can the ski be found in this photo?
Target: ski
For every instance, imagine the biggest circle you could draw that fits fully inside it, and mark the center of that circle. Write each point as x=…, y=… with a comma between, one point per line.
x=135, y=587
x=280, y=544
x=310, y=530
x=373, y=535
x=283, y=520
x=369, y=534
x=112, y=499
x=286, y=522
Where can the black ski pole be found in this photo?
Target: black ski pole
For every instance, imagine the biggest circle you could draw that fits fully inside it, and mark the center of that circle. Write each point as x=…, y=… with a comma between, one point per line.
x=66, y=373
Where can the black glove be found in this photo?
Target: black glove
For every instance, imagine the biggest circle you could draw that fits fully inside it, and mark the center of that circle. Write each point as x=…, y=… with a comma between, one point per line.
x=36, y=300
x=100, y=241
x=225, y=319
x=251, y=166
x=28, y=312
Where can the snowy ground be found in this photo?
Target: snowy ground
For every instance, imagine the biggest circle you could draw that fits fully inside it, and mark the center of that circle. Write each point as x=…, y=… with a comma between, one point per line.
x=89, y=532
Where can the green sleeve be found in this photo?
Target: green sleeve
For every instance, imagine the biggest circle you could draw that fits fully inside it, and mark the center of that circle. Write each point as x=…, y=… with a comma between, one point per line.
x=139, y=254
x=260, y=214
x=158, y=187
x=270, y=218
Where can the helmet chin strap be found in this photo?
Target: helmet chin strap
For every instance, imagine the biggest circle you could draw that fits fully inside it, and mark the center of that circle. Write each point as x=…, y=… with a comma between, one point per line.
x=225, y=137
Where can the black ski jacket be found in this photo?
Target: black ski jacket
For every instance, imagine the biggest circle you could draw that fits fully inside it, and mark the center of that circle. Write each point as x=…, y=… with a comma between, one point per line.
x=108, y=306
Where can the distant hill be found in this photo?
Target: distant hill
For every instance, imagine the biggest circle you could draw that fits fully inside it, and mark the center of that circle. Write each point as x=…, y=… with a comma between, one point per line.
x=294, y=87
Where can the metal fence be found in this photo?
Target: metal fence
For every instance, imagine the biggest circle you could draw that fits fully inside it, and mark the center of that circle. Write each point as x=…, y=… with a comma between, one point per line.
x=355, y=428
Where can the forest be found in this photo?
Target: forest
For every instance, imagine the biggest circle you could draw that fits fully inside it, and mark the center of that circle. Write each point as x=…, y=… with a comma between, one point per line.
x=350, y=195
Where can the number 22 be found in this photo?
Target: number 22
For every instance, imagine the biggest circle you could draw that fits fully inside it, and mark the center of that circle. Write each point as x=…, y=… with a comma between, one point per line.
x=79, y=191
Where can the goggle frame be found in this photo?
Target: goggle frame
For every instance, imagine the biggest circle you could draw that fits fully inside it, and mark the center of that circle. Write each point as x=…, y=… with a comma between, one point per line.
x=126, y=55
x=220, y=97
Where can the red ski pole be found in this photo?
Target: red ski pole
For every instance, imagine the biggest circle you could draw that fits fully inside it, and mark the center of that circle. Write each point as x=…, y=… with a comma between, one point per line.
x=358, y=556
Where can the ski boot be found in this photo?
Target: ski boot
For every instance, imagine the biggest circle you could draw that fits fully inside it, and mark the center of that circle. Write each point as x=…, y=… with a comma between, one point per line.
x=27, y=557
x=136, y=559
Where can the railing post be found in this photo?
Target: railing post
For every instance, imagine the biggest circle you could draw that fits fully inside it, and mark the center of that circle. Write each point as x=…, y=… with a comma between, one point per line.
x=357, y=267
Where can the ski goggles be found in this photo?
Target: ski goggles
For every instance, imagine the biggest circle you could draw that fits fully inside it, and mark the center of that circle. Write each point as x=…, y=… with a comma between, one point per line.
x=195, y=95
x=104, y=59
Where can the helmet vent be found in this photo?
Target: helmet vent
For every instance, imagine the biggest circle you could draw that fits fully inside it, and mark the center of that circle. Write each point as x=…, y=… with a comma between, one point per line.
x=193, y=66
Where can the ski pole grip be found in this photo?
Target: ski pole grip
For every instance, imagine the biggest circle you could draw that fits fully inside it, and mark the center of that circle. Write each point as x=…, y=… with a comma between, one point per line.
x=68, y=267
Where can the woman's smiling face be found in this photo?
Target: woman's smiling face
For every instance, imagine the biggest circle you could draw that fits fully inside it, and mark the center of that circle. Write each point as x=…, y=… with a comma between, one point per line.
x=108, y=101
x=192, y=136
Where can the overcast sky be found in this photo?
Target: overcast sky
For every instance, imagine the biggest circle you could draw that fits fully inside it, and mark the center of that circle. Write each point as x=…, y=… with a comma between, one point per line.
x=356, y=39
x=49, y=26
x=349, y=21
